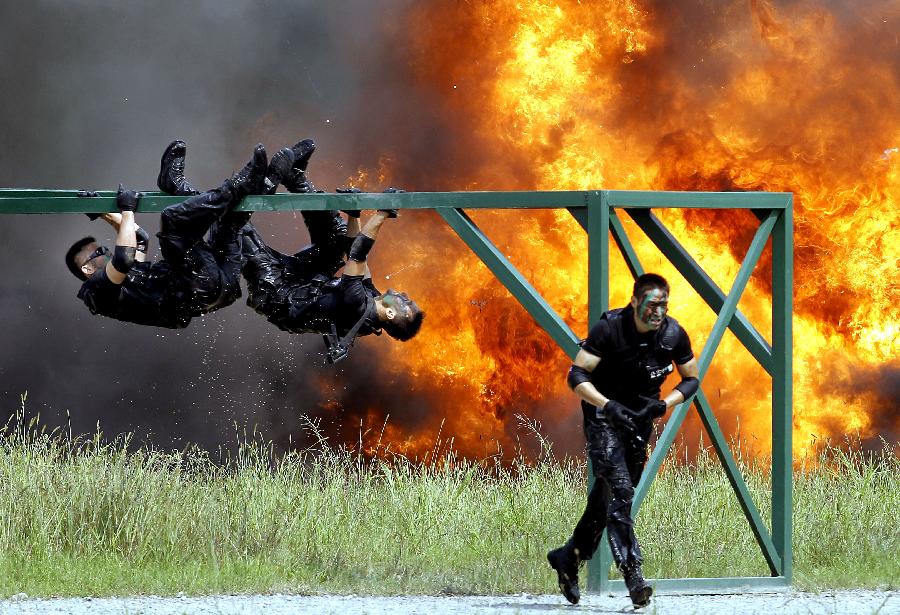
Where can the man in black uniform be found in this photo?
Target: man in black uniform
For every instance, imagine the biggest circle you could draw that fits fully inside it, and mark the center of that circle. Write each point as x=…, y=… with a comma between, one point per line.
x=195, y=276
x=301, y=293
x=617, y=374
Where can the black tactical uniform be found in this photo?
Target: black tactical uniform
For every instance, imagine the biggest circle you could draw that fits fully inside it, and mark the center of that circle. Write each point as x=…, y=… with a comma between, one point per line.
x=631, y=364
x=300, y=293
x=195, y=277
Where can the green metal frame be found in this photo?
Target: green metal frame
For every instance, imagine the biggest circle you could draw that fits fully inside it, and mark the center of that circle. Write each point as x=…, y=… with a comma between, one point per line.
x=596, y=212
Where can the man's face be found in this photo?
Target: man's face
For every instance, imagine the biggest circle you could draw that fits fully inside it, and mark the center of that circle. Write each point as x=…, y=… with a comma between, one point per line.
x=650, y=309
x=399, y=304
x=92, y=258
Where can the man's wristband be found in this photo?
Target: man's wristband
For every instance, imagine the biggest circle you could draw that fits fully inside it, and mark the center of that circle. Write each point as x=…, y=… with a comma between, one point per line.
x=687, y=387
x=577, y=375
x=360, y=248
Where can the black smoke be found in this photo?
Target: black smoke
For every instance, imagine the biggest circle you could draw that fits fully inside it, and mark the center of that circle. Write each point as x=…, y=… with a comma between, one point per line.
x=93, y=92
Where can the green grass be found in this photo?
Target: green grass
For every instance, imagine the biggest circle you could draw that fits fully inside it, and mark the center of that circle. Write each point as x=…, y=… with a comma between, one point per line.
x=92, y=518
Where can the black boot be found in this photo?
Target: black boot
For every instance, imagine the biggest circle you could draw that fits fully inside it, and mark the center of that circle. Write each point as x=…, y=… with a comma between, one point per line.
x=250, y=179
x=171, y=171
x=297, y=180
x=565, y=562
x=638, y=589
x=279, y=167
x=302, y=151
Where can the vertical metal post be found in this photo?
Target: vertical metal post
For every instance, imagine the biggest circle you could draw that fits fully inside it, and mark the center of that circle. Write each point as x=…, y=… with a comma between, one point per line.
x=598, y=302
x=782, y=384
x=598, y=255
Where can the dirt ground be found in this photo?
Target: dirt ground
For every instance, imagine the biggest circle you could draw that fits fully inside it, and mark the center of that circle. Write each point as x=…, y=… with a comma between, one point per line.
x=850, y=602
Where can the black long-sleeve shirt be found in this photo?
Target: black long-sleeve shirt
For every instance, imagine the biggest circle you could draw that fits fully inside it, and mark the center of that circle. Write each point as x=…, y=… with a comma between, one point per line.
x=634, y=363
x=342, y=301
x=148, y=296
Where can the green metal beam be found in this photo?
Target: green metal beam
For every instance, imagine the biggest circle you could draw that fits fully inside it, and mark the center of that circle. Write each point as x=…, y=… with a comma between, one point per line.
x=703, y=284
x=598, y=255
x=598, y=302
x=782, y=385
x=581, y=216
x=504, y=271
x=729, y=308
x=643, y=199
x=66, y=201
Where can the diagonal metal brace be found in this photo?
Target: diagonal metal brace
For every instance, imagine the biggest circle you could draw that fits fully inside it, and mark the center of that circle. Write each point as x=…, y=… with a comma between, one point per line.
x=760, y=532
x=729, y=309
x=703, y=284
x=514, y=282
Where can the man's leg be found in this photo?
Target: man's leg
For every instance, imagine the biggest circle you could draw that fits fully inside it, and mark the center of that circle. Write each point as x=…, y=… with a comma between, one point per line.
x=586, y=537
x=185, y=224
x=225, y=243
x=326, y=228
x=264, y=270
x=623, y=474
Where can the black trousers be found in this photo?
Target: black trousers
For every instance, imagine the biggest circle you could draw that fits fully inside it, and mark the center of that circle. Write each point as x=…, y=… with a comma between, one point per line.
x=279, y=285
x=209, y=271
x=617, y=464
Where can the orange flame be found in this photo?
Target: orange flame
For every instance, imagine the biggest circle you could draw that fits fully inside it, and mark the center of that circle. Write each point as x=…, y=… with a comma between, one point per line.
x=609, y=94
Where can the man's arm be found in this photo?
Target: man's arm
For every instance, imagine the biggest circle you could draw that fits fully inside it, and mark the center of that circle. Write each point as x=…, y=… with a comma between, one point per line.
x=126, y=241
x=356, y=264
x=689, y=384
x=579, y=375
x=353, y=231
x=114, y=219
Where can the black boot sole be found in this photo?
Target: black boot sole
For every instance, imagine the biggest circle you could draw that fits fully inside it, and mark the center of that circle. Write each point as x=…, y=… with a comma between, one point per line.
x=641, y=596
x=569, y=589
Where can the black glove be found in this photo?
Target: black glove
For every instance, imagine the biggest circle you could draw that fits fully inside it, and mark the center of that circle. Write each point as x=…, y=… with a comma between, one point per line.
x=353, y=213
x=127, y=200
x=620, y=417
x=653, y=408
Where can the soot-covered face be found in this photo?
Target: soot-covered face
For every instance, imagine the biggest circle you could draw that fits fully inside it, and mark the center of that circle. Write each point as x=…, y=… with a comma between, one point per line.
x=400, y=303
x=650, y=309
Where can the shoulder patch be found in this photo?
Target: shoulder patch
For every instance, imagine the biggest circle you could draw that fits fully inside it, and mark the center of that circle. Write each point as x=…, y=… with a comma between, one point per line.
x=668, y=337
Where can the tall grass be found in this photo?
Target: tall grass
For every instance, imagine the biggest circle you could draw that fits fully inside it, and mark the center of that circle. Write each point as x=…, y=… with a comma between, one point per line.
x=87, y=517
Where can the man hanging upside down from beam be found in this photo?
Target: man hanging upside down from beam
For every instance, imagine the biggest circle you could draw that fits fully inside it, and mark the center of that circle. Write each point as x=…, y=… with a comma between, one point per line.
x=618, y=374
x=301, y=293
x=195, y=276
